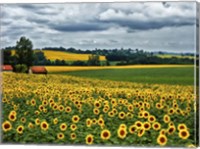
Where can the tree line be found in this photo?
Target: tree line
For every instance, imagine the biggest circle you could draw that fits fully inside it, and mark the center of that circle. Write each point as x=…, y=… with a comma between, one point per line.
x=25, y=56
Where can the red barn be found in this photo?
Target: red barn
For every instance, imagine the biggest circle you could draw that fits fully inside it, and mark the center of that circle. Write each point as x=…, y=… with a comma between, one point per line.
x=8, y=68
x=38, y=70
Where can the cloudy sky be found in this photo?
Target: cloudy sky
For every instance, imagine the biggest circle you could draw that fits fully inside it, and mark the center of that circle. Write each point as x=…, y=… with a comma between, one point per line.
x=152, y=26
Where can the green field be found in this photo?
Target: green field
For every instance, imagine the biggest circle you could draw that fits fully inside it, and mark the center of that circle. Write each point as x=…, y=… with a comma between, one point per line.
x=174, y=76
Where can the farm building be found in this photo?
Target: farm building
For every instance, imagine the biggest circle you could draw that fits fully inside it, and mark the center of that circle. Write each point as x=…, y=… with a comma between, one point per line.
x=7, y=68
x=38, y=70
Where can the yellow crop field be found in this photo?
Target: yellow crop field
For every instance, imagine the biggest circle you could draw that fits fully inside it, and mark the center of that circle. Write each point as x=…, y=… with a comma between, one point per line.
x=53, y=55
x=177, y=56
x=78, y=68
x=73, y=110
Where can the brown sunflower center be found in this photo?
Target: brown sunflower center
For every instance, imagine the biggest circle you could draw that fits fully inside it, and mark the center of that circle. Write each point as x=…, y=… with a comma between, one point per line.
x=6, y=126
x=156, y=125
x=171, y=130
x=162, y=140
x=105, y=134
x=183, y=133
x=151, y=119
x=89, y=139
x=122, y=132
x=132, y=129
x=44, y=125
x=12, y=116
x=63, y=126
x=146, y=125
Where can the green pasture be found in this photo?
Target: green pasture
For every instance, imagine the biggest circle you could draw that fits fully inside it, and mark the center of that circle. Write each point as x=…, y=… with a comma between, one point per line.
x=173, y=76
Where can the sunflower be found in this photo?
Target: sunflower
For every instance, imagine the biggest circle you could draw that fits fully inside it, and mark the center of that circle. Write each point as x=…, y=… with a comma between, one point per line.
x=145, y=114
x=44, y=103
x=138, y=124
x=60, y=136
x=121, y=115
x=111, y=114
x=4, y=100
x=52, y=104
x=73, y=136
x=12, y=117
x=182, y=126
x=88, y=122
x=188, y=109
x=105, y=110
x=96, y=111
x=30, y=125
x=123, y=126
x=166, y=118
x=162, y=140
x=33, y=102
x=94, y=121
x=175, y=105
x=61, y=108
x=113, y=101
x=140, y=103
x=105, y=134
x=130, y=108
x=89, y=139
x=132, y=129
x=183, y=134
x=171, y=130
x=73, y=127
x=114, y=111
x=23, y=119
x=129, y=115
x=140, y=114
x=156, y=126
x=55, y=121
x=75, y=119
x=97, y=104
x=151, y=118
x=163, y=132
x=121, y=132
x=100, y=122
x=37, y=121
x=44, y=126
x=55, y=107
x=37, y=112
x=141, y=132
x=6, y=126
x=41, y=107
x=159, y=106
x=45, y=110
x=171, y=124
x=13, y=112
x=146, y=125
x=20, y=129
x=171, y=111
x=63, y=127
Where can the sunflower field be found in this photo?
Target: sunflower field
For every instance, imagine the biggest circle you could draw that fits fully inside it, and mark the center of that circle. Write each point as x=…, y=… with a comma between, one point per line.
x=63, y=109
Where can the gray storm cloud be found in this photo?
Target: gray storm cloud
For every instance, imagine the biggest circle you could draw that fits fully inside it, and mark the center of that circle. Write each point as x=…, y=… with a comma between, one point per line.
x=152, y=26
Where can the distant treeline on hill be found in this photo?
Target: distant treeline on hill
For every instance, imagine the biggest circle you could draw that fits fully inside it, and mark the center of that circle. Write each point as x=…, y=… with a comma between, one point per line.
x=119, y=56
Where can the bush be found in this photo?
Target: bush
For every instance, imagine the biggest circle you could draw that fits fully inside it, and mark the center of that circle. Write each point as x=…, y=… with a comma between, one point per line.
x=22, y=68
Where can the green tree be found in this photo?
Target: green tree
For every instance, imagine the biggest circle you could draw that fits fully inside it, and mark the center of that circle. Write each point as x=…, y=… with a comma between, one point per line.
x=24, y=52
x=94, y=60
